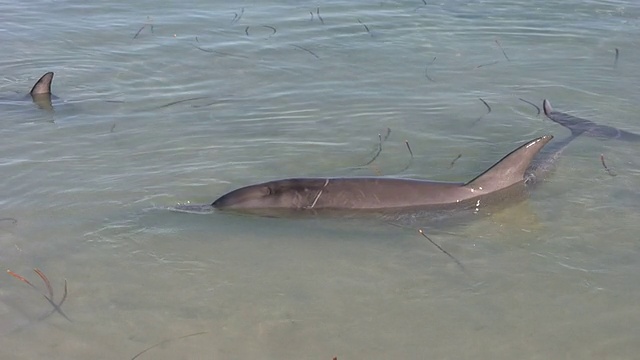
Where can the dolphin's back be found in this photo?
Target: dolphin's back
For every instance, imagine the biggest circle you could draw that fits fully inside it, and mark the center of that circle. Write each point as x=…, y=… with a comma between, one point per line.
x=389, y=193
x=375, y=193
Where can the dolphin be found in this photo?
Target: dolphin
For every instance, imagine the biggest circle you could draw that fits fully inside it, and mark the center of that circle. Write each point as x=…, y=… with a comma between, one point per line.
x=587, y=127
x=40, y=93
x=513, y=174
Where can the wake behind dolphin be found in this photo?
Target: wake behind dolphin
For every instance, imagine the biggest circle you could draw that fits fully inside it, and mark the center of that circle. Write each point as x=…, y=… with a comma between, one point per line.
x=580, y=126
x=298, y=196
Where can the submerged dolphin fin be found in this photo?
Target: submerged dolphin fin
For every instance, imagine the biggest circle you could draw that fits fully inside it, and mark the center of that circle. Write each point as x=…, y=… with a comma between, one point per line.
x=580, y=126
x=43, y=85
x=575, y=124
x=511, y=169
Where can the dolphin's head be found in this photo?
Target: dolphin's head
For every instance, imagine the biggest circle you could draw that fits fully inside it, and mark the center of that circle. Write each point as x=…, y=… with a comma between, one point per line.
x=280, y=194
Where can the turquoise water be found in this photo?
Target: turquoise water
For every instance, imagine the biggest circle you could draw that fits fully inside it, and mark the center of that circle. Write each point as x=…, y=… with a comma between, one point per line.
x=149, y=122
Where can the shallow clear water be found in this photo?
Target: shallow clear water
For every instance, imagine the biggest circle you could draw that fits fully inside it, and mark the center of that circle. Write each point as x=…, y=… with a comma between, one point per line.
x=200, y=104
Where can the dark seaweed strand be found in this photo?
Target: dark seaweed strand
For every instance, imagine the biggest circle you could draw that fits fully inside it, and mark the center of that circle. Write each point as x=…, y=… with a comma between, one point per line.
x=311, y=12
x=615, y=61
x=454, y=160
x=215, y=51
x=406, y=142
x=503, y=53
x=144, y=26
x=246, y=30
x=139, y=31
x=57, y=308
x=421, y=6
x=365, y=27
x=444, y=251
x=609, y=171
x=487, y=64
x=387, y=135
x=483, y=115
x=532, y=104
x=181, y=101
x=237, y=17
x=166, y=341
x=307, y=50
x=427, y=67
x=270, y=27
x=487, y=105
x=409, y=148
x=47, y=283
x=377, y=152
x=319, y=17
x=9, y=219
x=203, y=49
x=380, y=141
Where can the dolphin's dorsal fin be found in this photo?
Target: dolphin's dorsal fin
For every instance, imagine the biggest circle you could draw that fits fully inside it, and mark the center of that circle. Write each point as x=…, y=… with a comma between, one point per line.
x=546, y=106
x=511, y=169
x=43, y=86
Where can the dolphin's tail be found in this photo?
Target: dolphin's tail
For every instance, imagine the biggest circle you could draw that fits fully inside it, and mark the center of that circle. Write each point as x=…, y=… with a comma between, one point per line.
x=575, y=124
x=579, y=126
x=43, y=85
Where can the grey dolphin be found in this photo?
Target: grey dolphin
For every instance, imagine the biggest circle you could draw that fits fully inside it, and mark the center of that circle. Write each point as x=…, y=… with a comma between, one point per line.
x=580, y=126
x=380, y=194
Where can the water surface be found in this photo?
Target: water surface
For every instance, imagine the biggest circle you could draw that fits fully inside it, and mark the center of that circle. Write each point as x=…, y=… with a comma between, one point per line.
x=199, y=103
